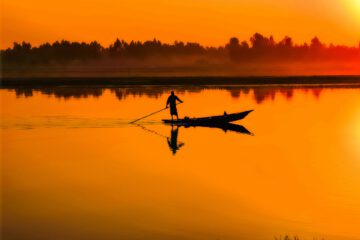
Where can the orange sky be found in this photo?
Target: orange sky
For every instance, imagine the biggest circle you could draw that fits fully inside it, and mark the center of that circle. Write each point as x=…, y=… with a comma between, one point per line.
x=210, y=22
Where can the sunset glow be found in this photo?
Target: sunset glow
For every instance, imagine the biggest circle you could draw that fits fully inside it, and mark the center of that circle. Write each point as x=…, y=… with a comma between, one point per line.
x=208, y=22
x=180, y=119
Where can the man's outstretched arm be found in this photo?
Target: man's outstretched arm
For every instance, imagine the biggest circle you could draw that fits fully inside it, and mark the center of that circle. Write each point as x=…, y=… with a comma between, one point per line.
x=178, y=99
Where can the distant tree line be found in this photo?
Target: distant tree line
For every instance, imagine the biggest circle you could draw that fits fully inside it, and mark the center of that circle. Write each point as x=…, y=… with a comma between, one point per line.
x=258, y=48
x=64, y=51
x=263, y=48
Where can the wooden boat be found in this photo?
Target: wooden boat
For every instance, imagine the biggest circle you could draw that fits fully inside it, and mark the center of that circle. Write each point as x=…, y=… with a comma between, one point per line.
x=213, y=120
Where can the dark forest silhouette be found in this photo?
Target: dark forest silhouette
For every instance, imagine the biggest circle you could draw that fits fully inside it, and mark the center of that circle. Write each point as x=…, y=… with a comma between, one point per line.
x=259, y=48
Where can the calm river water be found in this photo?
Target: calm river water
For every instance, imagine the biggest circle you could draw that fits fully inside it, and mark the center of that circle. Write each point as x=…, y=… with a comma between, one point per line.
x=73, y=168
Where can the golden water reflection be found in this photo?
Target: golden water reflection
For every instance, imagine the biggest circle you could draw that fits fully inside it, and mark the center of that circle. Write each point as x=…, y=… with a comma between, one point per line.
x=73, y=168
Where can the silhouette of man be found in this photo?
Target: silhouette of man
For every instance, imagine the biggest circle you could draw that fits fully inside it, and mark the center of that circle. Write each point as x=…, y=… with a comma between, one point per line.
x=172, y=102
x=172, y=142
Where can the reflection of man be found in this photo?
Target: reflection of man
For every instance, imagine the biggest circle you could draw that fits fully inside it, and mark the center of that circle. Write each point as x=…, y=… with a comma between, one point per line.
x=173, y=145
x=172, y=102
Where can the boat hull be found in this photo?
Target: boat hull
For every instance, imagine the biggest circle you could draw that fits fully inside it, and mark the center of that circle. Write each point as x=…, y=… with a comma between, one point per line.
x=220, y=119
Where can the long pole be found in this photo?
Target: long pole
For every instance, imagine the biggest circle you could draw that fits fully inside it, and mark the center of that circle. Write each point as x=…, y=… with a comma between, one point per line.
x=151, y=114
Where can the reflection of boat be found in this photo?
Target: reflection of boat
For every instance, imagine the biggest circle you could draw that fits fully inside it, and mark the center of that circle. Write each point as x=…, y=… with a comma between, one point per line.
x=224, y=126
x=221, y=119
x=229, y=127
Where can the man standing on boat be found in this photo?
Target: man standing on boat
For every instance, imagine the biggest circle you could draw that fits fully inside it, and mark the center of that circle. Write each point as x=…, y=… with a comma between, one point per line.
x=172, y=102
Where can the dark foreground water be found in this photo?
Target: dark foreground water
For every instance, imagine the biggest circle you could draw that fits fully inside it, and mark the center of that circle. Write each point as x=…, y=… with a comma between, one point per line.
x=73, y=168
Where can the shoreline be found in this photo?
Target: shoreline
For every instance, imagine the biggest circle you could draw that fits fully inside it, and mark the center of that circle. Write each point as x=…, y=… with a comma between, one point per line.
x=180, y=81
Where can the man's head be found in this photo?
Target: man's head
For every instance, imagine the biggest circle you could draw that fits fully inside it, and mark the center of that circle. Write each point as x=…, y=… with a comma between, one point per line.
x=172, y=93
